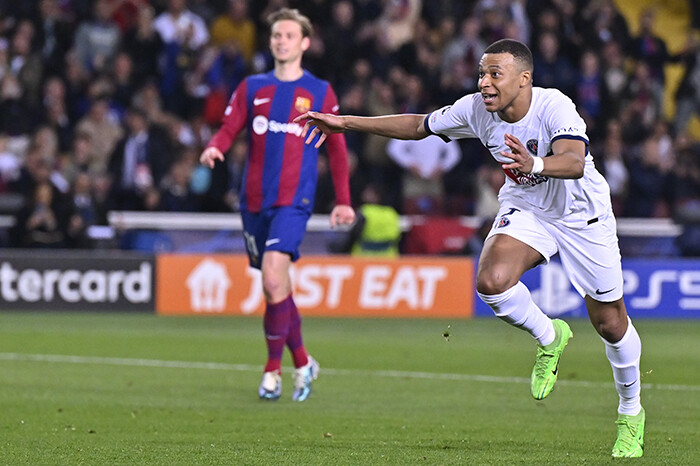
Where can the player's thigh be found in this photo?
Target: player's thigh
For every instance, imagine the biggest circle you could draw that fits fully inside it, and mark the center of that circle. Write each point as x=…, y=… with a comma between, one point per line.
x=516, y=243
x=255, y=232
x=591, y=258
x=287, y=229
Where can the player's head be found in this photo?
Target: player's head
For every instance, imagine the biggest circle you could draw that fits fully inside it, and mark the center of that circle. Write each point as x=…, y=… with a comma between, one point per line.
x=290, y=34
x=505, y=70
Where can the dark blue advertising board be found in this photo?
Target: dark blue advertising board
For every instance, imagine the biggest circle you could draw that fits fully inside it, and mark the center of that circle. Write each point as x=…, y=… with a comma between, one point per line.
x=655, y=288
x=74, y=281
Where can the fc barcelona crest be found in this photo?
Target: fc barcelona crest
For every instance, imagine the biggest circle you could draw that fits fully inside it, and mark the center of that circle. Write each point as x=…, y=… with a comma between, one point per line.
x=302, y=104
x=532, y=146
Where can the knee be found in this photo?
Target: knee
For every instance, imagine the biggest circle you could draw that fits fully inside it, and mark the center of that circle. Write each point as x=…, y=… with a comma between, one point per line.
x=275, y=286
x=611, y=326
x=494, y=280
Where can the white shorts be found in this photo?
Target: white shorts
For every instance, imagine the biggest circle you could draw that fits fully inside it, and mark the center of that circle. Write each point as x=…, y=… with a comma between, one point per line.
x=590, y=255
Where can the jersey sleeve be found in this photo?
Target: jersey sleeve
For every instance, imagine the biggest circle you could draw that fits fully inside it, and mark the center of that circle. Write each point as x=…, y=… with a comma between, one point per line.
x=563, y=121
x=337, y=153
x=234, y=119
x=454, y=121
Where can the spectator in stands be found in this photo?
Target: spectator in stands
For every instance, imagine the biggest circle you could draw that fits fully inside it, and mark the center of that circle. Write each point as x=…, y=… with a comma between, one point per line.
x=424, y=162
x=83, y=212
x=125, y=12
x=79, y=158
x=55, y=35
x=501, y=16
x=613, y=166
x=179, y=25
x=219, y=71
x=646, y=186
x=237, y=26
x=139, y=161
x=615, y=79
x=183, y=34
x=553, y=69
x=104, y=131
x=650, y=48
x=601, y=23
x=686, y=195
x=176, y=194
x=16, y=117
x=687, y=96
x=642, y=107
x=10, y=164
x=77, y=81
x=26, y=64
x=55, y=112
x=339, y=36
x=686, y=175
x=97, y=40
x=121, y=75
x=397, y=23
x=464, y=49
x=588, y=91
x=144, y=45
x=42, y=222
x=381, y=100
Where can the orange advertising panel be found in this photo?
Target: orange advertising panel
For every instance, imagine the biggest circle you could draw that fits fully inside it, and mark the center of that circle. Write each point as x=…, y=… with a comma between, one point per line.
x=339, y=286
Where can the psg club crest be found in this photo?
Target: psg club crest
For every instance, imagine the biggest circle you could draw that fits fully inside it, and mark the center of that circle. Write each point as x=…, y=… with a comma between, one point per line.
x=502, y=222
x=302, y=104
x=532, y=146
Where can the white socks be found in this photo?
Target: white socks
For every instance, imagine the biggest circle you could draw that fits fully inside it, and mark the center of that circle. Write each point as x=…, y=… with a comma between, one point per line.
x=515, y=306
x=624, y=358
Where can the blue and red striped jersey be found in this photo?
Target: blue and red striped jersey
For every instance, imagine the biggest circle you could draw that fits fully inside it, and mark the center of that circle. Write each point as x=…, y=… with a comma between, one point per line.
x=282, y=169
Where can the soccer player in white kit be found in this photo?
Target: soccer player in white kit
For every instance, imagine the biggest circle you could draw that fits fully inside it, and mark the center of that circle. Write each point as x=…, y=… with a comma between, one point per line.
x=553, y=200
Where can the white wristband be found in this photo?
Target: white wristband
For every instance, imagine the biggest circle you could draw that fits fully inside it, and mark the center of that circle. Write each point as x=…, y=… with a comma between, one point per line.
x=537, y=165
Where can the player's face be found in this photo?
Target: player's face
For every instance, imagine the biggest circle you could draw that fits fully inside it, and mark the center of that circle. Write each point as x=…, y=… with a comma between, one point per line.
x=287, y=42
x=501, y=79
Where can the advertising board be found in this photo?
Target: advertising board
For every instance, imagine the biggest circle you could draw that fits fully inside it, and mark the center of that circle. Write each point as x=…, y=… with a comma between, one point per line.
x=323, y=286
x=656, y=288
x=67, y=280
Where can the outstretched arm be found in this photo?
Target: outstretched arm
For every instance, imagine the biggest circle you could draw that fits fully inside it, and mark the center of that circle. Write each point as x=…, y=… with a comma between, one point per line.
x=404, y=126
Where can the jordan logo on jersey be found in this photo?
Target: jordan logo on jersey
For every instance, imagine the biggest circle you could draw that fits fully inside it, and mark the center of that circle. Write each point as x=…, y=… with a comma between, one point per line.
x=302, y=104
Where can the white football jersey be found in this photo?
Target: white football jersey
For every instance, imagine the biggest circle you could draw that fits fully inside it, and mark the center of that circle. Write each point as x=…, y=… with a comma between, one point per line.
x=551, y=116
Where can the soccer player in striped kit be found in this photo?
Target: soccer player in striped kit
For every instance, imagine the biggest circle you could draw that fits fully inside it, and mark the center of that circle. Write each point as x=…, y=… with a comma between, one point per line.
x=279, y=185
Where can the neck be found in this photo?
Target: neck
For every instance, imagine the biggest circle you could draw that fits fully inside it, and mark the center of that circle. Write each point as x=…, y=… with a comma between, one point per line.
x=518, y=109
x=288, y=71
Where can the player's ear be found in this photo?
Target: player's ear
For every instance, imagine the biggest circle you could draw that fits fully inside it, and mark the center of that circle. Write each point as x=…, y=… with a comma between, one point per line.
x=305, y=43
x=525, y=78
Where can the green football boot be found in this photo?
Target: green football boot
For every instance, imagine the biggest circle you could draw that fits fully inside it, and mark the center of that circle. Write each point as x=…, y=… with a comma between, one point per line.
x=544, y=374
x=630, y=436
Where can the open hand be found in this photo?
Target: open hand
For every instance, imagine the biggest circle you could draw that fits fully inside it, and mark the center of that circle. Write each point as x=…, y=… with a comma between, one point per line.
x=522, y=160
x=324, y=125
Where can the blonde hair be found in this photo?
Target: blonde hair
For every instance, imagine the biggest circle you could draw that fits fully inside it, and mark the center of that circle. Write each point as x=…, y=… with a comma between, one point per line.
x=293, y=15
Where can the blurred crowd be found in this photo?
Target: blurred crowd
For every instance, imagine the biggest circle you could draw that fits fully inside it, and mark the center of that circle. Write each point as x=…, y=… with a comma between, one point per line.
x=107, y=104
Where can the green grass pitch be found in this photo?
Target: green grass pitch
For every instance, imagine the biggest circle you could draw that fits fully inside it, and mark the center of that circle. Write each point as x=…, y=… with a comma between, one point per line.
x=140, y=389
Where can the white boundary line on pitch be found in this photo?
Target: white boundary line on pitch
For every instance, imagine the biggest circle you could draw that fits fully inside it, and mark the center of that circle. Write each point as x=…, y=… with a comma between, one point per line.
x=135, y=362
